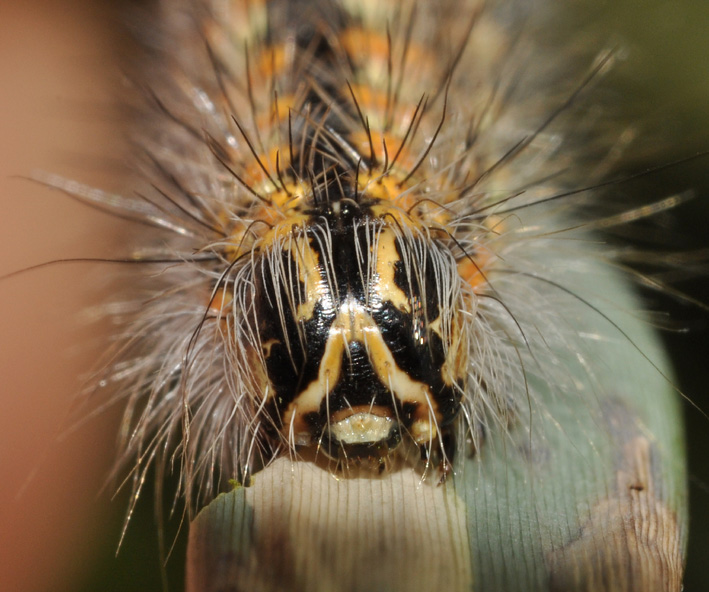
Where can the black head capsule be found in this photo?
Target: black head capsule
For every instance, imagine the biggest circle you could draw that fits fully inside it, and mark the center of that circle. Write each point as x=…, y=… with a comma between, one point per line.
x=360, y=329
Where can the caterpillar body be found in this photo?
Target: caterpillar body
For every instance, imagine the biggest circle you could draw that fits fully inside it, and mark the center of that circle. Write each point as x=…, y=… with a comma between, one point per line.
x=335, y=237
x=376, y=261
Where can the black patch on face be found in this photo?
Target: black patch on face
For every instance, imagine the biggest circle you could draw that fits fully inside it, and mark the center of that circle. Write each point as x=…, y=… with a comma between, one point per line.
x=416, y=350
x=358, y=384
x=297, y=347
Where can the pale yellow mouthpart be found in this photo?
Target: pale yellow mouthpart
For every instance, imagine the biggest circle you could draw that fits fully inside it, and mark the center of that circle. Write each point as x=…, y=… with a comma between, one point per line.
x=362, y=428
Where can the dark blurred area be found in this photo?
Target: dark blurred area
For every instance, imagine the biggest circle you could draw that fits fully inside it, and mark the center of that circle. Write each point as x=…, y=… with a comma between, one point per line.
x=666, y=81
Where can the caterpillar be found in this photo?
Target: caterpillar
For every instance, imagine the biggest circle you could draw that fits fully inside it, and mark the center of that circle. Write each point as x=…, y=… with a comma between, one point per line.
x=370, y=251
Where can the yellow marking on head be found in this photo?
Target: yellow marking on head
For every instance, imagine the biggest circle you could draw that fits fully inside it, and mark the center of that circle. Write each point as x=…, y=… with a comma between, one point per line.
x=267, y=346
x=455, y=367
x=354, y=324
x=384, y=284
x=308, y=267
x=423, y=431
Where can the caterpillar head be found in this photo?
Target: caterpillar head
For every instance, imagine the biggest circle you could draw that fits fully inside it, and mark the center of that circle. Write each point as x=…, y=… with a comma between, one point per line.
x=361, y=330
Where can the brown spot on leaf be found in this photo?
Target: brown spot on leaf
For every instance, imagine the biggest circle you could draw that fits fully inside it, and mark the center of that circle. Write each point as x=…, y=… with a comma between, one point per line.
x=631, y=541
